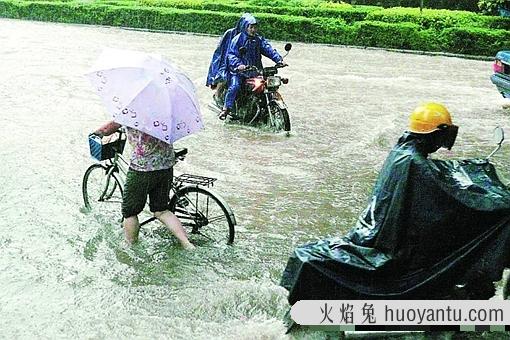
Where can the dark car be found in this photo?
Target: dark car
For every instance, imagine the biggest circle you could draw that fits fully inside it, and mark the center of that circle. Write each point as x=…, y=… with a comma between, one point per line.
x=501, y=76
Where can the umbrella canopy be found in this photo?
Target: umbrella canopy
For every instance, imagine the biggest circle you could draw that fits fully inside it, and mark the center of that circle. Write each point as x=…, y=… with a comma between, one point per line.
x=145, y=92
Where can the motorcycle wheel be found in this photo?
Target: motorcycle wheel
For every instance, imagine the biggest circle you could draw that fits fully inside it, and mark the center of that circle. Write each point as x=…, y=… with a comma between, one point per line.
x=278, y=118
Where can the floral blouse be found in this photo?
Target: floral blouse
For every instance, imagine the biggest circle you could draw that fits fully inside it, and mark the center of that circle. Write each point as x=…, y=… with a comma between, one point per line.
x=149, y=153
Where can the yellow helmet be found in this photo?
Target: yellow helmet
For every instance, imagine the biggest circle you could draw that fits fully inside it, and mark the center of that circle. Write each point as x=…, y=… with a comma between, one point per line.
x=429, y=117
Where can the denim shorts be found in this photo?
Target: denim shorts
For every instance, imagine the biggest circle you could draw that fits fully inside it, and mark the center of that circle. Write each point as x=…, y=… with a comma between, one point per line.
x=140, y=184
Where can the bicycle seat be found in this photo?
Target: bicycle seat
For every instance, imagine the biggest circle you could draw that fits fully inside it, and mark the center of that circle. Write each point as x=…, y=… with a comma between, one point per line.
x=181, y=152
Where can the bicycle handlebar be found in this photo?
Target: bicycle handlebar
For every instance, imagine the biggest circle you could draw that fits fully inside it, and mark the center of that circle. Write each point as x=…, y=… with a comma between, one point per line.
x=181, y=153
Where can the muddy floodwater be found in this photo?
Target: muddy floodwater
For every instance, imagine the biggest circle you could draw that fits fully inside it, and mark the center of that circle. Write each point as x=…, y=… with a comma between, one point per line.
x=68, y=274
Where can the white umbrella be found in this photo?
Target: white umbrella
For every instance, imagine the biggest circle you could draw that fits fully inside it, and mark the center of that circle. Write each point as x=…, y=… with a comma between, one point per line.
x=147, y=93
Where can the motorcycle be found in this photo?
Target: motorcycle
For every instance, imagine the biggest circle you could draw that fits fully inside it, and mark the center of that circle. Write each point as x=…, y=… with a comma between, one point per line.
x=452, y=242
x=258, y=101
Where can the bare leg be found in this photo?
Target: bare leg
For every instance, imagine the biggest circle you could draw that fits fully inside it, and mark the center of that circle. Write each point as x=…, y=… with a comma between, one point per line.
x=175, y=226
x=219, y=88
x=131, y=229
x=217, y=94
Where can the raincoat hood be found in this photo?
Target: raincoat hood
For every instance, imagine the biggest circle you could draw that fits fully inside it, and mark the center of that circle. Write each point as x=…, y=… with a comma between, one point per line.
x=241, y=23
x=248, y=20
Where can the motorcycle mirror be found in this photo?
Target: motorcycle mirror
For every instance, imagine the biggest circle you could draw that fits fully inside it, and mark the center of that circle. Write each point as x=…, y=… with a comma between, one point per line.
x=498, y=137
x=287, y=48
x=242, y=51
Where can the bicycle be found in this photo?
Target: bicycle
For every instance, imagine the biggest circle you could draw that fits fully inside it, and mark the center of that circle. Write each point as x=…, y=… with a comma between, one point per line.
x=191, y=198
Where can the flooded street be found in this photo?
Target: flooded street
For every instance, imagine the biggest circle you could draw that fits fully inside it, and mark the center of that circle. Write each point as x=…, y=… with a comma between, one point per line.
x=67, y=274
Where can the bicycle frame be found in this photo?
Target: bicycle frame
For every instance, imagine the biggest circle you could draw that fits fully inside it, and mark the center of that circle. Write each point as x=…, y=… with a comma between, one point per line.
x=120, y=165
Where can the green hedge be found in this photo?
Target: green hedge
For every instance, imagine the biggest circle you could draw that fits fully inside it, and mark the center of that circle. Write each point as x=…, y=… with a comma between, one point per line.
x=438, y=19
x=475, y=41
x=388, y=35
x=465, y=5
x=275, y=26
x=346, y=12
x=429, y=18
x=400, y=35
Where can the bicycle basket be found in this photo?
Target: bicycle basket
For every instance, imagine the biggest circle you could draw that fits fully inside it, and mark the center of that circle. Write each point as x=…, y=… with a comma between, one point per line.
x=106, y=149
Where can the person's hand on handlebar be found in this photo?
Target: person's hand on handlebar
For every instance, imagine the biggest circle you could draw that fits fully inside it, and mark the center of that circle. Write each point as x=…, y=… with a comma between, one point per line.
x=107, y=129
x=97, y=133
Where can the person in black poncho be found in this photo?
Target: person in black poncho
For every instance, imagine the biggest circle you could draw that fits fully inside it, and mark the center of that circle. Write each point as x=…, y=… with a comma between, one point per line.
x=432, y=229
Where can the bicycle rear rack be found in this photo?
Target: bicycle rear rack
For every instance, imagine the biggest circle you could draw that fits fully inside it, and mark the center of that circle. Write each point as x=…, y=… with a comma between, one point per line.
x=197, y=180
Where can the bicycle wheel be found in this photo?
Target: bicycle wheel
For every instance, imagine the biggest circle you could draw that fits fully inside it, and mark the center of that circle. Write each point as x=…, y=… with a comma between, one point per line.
x=205, y=212
x=100, y=186
x=278, y=118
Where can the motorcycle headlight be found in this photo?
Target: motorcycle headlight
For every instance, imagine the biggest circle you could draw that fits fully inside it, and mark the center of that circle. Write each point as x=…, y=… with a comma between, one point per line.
x=273, y=81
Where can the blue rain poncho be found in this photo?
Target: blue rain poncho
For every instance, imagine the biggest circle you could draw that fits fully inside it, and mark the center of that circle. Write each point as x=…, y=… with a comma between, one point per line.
x=218, y=66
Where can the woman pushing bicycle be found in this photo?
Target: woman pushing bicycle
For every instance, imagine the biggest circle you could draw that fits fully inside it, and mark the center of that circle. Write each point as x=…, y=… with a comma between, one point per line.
x=157, y=104
x=150, y=174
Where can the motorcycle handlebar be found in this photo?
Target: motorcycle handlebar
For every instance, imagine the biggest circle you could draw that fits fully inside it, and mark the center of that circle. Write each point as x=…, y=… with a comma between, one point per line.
x=255, y=68
x=248, y=69
x=251, y=68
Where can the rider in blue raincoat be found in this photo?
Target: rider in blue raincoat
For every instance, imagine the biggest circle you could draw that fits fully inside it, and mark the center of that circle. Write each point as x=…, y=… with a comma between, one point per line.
x=255, y=46
x=218, y=68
